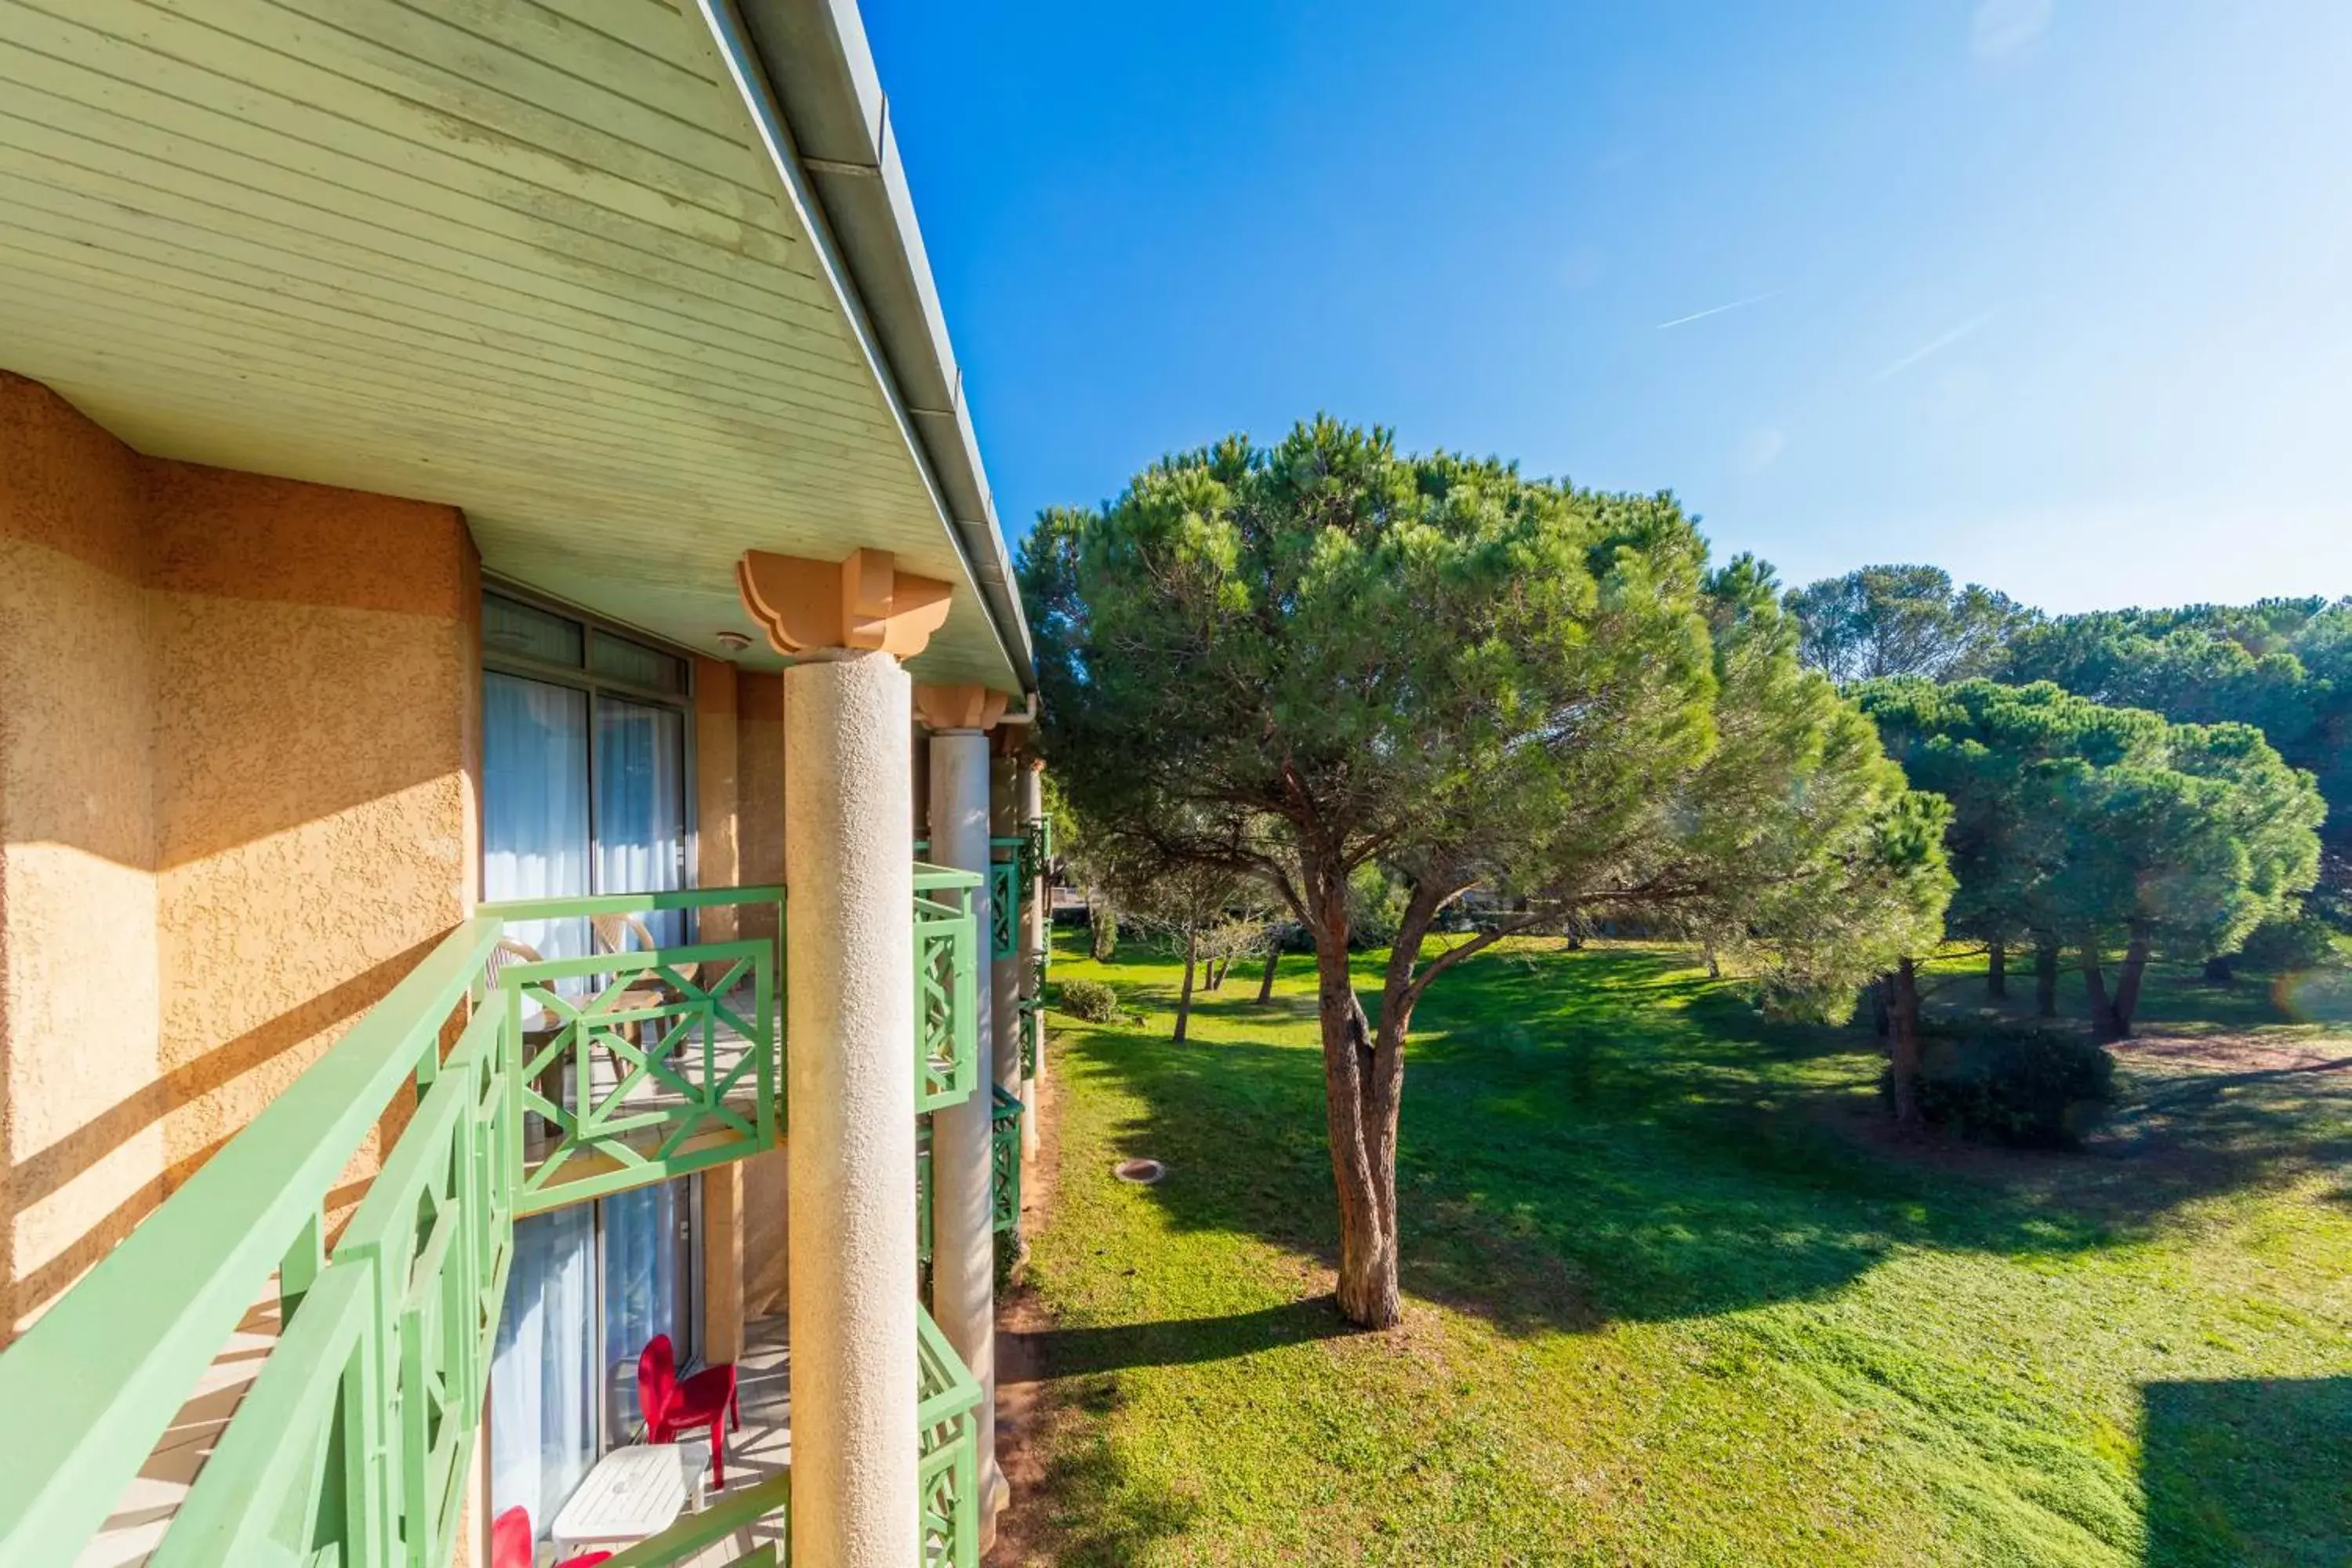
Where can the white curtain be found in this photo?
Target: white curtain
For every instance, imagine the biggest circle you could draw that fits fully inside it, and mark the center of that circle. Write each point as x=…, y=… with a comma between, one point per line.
x=543, y=1372
x=535, y=804
x=641, y=805
x=648, y=1288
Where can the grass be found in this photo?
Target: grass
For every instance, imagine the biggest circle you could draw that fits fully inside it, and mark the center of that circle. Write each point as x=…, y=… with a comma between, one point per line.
x=1674, y=1298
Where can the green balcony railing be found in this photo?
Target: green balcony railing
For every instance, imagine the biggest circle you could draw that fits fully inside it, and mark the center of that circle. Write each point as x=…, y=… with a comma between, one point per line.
x=947, y=988
x=643, y=1065
x=923, y=1189
x=767, y=1503
x=948, y=1478
x=353, y=1443
x=1004, y=1160
x=1006, y=880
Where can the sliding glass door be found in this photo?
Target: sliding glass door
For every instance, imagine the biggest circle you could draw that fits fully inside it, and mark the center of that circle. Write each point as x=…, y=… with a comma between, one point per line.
x=585, y=790
x=590, y=1287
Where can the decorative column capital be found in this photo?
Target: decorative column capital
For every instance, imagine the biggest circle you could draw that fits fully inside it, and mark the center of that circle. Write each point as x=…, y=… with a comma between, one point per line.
x=969, y=706
x=863, y=602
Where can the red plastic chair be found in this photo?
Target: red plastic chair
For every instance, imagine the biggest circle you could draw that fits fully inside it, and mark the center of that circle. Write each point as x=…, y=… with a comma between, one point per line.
x=510, y=1543
x=670, y=1407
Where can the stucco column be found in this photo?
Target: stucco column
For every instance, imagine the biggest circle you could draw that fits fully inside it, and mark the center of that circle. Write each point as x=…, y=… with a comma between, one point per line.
x=849, y=945
x=964, y=1228
x=1036, y=931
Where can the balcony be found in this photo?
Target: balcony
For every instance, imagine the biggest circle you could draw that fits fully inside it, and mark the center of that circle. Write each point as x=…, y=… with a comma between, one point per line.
x=526, y=1083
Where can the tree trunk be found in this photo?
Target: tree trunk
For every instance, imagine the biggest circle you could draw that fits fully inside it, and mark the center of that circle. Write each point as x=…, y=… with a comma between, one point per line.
x=1997, y=973
x=2095, y=986
x=1213, y=977
x=2127, y=1000
x=2221, y=970
x=1266, y=980
x=1102, y=932
x=2045, y=978
x=1184, y=998
x=1363, y=1078
x=1903, y=1049
x=1714, y=964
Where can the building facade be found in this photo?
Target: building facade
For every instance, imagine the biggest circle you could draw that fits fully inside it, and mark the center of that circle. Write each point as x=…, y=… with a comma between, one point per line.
x=514, y=840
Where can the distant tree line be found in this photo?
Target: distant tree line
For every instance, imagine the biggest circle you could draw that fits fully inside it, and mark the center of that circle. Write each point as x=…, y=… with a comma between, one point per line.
x=2281, y=666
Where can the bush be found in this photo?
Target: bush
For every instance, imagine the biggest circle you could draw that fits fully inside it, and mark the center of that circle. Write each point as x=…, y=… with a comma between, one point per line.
x=2031, y=1089
x=1088, y=1000
x=2303, y=941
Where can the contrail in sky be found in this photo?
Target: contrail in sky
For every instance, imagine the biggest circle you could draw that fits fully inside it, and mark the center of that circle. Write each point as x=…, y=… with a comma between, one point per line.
x=1718, y=310
x=1935, y=345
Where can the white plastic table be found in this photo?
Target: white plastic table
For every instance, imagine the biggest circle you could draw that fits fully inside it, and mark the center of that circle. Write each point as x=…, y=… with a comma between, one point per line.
x=633, y=1493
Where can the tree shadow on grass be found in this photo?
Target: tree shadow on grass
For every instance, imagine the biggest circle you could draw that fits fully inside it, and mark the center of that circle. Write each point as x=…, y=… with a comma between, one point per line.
x=1186, y=1342
x=1607, y=1136
x=2249, y=1473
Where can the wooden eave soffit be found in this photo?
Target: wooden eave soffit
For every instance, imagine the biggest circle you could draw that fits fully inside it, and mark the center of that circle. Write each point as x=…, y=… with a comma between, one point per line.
x=862, y=603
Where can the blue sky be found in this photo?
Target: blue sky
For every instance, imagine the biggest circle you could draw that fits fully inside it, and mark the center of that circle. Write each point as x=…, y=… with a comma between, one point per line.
x=2057, y=295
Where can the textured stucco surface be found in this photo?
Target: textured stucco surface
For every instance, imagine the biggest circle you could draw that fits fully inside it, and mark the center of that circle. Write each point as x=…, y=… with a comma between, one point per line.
x=78, y=978
x=237, y=800
x=718, y=859
x=963, y=1212
x=759, y=784
x=850, y=947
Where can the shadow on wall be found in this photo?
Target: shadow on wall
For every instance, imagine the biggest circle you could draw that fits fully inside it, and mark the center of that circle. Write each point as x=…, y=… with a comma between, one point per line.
x=238, y=719
x=47, y=1173
x=2249, y=1473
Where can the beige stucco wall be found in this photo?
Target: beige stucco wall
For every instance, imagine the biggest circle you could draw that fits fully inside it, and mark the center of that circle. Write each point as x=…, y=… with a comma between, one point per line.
x=312, y=652
x=82, y=1142
x=760, y=775
x=238, y=801
x=759, y=732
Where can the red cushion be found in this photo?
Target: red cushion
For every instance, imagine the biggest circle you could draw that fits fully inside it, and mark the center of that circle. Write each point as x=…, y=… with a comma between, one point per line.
x=588, y=1561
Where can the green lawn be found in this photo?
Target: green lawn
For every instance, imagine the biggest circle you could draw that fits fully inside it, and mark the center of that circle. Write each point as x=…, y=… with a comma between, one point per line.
x=1672, y=1297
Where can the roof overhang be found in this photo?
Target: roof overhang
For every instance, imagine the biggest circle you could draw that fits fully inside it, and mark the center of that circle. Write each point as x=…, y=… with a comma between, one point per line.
x=568, y=267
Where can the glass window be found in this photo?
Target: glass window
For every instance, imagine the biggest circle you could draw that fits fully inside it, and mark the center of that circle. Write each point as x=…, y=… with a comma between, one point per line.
x=641, y=805
x=510, y=626
x=621, y=659
x=535, y=826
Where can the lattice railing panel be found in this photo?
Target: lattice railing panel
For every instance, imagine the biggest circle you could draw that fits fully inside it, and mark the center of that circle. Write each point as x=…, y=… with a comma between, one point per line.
x=1004, y=1161
x=673, y=1063
x=947, y=988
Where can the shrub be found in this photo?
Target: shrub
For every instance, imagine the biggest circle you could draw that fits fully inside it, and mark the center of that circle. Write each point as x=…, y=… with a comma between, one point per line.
x=1088, y=1000
x=2303, y=940
x=2032, y=1088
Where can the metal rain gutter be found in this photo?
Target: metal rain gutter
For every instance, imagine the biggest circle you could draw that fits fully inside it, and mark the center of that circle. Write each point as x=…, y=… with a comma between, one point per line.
x=807, y=78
